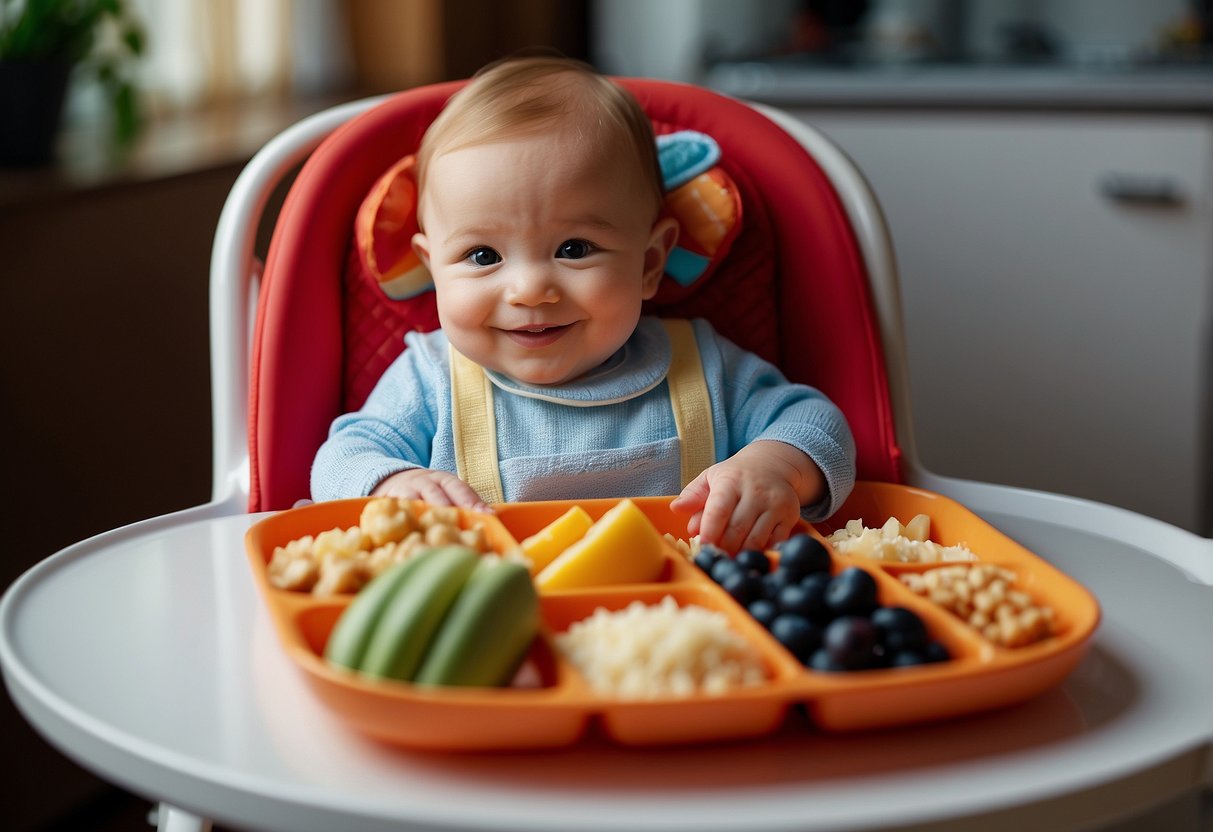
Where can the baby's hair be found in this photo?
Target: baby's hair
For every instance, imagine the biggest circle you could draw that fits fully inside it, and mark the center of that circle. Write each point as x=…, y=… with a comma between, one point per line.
x=522, y=96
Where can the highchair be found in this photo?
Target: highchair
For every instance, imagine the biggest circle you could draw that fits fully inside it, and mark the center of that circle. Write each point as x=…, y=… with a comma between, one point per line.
x=802, y=273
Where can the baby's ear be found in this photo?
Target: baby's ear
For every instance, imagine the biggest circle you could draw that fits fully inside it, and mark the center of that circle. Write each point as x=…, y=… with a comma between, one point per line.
x=661, y=241
x=421, y=247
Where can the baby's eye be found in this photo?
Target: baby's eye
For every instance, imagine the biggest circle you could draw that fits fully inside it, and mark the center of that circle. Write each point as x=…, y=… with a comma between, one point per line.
x=483, y=256
x=574, y=249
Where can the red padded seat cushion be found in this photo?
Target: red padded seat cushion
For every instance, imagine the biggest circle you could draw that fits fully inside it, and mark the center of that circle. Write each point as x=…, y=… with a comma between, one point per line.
x=793, y=287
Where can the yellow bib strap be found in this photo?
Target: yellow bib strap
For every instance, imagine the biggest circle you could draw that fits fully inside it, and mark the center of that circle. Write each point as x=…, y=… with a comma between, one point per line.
x=475, y=428
x=689, y=400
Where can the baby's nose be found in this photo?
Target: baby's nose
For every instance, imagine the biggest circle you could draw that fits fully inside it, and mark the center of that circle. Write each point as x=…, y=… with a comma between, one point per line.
x=533, y=285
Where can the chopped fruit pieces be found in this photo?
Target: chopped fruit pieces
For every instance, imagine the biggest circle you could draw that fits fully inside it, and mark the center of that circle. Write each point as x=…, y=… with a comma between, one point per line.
x=622, y=547
x=543, y=547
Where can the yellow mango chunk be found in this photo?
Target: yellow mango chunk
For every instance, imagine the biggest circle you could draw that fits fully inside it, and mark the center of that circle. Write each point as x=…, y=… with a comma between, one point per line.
x=544, y=545
x=623, y=547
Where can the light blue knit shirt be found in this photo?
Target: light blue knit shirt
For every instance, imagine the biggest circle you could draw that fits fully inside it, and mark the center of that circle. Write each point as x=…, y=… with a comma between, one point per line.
x=609, y=433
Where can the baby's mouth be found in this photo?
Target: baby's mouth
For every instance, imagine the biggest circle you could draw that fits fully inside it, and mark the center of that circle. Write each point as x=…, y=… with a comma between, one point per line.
x=537, y=336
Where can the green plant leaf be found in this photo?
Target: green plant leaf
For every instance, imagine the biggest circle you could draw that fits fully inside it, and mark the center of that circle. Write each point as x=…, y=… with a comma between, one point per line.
x=66, y=30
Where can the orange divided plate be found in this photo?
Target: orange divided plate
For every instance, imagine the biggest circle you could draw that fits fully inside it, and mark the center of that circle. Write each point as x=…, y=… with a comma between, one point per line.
x=559, y=707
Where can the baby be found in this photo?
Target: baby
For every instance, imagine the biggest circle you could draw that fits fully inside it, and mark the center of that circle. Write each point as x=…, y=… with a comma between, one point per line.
x=540, y=213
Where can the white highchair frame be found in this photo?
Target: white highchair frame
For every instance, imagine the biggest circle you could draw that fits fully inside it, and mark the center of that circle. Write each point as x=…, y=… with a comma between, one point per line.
x=235, y=273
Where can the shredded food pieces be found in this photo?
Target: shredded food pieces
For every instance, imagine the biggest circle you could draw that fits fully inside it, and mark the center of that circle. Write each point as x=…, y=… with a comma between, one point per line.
x=984, y=596
x=389, y=531
x=896, y=543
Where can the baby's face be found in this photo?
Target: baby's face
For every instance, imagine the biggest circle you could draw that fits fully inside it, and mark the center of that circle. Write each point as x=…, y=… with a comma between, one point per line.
x=541, y=254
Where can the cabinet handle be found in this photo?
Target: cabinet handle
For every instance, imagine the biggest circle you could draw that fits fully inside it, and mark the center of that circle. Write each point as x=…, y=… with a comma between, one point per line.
x=1143, y=190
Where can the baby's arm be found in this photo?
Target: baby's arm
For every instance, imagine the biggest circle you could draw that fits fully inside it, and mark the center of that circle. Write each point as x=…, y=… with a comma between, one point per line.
x=752, y=499
x=438, y=488
x=790, y=454
x=387, y=447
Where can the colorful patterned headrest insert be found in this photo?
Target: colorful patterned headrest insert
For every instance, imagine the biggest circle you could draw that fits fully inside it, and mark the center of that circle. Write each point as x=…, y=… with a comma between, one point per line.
x=699, y=194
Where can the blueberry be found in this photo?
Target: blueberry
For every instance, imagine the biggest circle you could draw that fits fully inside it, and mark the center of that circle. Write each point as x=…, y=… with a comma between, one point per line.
x=803, y=554
x=820, y=660
x=851, y=642
x=706, y=558
x=936, y=652
x=880, y=659
x=906, y=658
x=851, y=592
x=754, y=560
x=723, y=567
x=900, y=629
x=815, y=586
x=821, y=579
x=791, y=598
x=795, y=598
x=764, y=611
x=796, y=634
x=774, y=581
x=743, y=587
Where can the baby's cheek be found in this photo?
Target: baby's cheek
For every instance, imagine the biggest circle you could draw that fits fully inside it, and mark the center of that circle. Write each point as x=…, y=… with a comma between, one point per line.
x=462, y=305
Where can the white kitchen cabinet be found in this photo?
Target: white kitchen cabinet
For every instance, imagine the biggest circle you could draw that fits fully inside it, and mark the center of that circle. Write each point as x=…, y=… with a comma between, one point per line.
x=1057, y=275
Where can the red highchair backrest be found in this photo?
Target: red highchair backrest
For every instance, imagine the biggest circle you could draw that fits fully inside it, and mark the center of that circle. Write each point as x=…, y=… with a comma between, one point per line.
x=793, y=286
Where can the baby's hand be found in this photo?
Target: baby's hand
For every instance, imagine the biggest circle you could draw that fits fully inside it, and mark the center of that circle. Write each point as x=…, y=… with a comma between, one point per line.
x=438, y=488
x=751, y=500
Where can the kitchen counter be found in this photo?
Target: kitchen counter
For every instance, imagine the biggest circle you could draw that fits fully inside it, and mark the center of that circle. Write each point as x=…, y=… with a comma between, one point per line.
x=1037, y=214
x=1172, y=88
